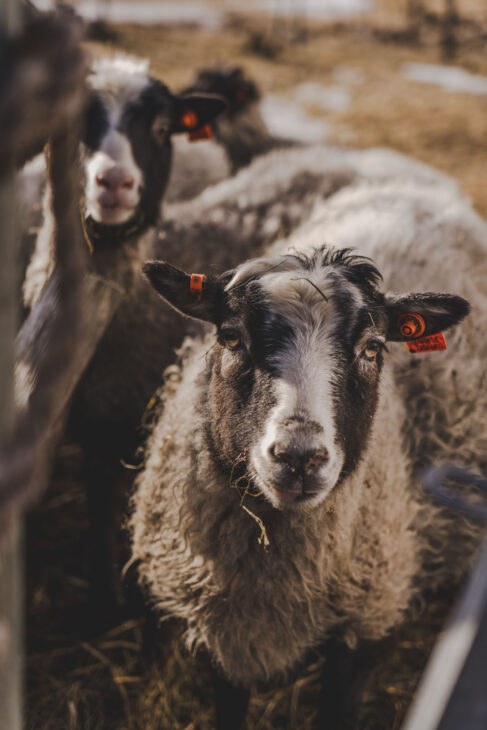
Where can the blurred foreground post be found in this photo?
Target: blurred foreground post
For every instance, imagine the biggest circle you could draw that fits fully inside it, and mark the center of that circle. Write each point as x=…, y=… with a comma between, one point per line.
x=42, y=96
x=11, y=561
x=452, y=693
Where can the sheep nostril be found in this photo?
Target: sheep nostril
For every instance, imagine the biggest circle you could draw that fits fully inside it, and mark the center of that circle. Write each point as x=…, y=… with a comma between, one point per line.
x=102, y=181
x=316, y=459
x=283, y=457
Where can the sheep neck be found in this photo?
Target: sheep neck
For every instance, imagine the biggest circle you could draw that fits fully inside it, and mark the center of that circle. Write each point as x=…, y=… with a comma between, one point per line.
x=99, y=234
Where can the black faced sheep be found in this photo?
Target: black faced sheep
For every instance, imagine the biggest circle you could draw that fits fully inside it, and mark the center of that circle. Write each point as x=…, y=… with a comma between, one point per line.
x=239, y=135
x=287, y=429
x=241, y=129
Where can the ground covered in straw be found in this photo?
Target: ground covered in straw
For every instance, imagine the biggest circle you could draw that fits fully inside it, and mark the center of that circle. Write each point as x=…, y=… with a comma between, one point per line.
x=80, y=682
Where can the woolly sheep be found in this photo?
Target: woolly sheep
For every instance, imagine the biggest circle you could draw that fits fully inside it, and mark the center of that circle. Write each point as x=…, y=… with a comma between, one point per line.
x=350, y=538
x=240, y=134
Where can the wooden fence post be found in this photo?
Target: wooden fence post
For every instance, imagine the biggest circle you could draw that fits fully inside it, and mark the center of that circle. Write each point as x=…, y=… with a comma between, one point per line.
x=11, y=563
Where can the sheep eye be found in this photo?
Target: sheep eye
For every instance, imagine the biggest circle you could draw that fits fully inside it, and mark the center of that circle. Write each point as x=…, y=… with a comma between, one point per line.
x=160, y=129
x=231, y=339
x=371, y=350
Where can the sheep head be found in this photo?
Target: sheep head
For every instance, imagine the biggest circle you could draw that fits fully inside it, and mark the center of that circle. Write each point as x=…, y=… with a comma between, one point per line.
x=295, y=371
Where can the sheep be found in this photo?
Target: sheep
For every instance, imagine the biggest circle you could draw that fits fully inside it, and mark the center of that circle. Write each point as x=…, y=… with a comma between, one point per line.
x=281, y=433
x=241, y=129
x=126, y=158
x=240, y=134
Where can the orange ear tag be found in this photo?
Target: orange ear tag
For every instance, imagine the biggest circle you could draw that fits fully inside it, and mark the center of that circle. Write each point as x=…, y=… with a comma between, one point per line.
x=189, y=119
x=432, y=343
x=202, y=133
x=196, y=284
x=411, y=325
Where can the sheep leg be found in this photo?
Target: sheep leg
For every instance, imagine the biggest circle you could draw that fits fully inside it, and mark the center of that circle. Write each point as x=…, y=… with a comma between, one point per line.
x=231, y=702
x=345, y=675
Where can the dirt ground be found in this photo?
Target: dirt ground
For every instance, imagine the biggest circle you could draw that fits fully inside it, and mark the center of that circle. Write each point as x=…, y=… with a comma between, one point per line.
x=108, y=682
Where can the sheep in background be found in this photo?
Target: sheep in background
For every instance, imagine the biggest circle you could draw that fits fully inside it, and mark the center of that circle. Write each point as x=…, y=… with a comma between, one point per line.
x=241, y=129
x=274, y=195
x=126, y=158
x=240, y=134
x=296, y=406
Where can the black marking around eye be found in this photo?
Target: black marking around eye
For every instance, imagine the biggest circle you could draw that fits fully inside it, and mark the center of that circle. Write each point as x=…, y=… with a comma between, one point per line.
x=271, y=334
x=96, y=122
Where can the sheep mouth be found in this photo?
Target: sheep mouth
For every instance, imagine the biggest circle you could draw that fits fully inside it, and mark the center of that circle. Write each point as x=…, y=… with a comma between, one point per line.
x=294, y=496
x=114, y=213
x=286, y=497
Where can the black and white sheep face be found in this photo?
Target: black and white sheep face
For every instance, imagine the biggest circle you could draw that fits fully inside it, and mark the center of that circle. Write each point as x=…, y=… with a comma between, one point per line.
x=127, y=150
x=295, y=372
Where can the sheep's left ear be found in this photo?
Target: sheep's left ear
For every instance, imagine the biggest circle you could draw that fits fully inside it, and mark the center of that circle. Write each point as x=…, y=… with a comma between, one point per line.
x=194, y=295
x=194, y=111
x=420, y=315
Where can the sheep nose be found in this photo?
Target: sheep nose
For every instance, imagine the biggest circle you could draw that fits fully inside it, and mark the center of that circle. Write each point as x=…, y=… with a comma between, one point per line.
x=298, y=461
x=115, y=179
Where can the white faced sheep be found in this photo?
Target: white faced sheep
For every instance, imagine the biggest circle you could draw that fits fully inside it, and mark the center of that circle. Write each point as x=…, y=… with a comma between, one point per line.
x=296, y=412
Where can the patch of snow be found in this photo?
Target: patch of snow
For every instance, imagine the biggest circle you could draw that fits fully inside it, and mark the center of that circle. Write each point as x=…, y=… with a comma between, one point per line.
x=319, y=9
x=348, y=75
x=286, y=119
x=450, y=78
x=331, y=98
x=146, y=13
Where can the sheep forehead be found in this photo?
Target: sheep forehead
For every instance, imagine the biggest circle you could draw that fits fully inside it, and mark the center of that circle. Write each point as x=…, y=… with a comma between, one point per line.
x=292, y=292
x=120, y=81
x=296, y=291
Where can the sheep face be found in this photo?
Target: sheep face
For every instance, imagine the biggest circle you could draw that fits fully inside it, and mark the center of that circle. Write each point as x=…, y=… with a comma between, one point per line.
x=295, y=371
x=130, y=118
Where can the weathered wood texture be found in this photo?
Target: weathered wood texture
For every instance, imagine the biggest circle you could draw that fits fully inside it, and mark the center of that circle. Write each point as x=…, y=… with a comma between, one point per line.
x=11, y=565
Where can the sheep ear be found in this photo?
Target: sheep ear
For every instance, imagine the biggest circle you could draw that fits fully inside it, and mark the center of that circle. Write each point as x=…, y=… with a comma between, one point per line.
x=194, y=111
x=420, y=315
x=194, y=295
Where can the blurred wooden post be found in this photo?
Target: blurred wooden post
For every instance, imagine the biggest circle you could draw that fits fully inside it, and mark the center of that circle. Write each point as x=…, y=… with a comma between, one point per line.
x=452, y=692
x=11, y=563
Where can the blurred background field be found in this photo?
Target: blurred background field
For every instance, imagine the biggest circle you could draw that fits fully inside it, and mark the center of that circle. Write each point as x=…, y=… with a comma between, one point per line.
x=357, y=76
x=351, y=72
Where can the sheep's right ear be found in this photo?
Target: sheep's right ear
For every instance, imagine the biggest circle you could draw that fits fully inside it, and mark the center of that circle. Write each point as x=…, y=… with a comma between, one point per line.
x=194, y=111
x=194, y=295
